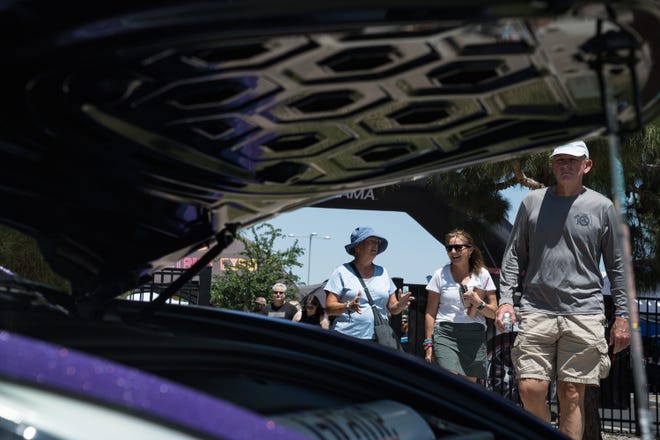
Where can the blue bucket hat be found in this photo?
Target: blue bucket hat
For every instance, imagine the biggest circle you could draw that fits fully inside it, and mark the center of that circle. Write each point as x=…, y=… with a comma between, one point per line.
x=362, y=233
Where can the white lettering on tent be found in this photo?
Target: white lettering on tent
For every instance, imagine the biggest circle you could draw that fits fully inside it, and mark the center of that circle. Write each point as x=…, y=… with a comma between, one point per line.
x=361, y=194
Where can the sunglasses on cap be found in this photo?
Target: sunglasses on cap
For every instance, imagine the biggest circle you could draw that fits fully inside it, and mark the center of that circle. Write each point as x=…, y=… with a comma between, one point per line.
x=457, y=247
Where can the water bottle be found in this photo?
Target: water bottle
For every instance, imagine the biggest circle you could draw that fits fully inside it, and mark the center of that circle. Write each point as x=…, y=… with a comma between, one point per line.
x=506, y=321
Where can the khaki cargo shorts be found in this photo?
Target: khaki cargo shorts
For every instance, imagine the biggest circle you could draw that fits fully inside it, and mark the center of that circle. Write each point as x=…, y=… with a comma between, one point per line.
x=567, y=348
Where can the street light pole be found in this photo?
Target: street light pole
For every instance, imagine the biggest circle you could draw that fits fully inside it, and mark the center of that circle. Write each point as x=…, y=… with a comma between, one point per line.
x=309, y=249
x=309, y=255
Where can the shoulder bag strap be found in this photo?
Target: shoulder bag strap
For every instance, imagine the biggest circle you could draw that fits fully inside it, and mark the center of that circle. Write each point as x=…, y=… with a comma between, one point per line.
x=357, y=274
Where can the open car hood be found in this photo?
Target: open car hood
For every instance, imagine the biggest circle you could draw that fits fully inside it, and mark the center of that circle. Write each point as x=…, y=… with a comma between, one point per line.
x=132, y=133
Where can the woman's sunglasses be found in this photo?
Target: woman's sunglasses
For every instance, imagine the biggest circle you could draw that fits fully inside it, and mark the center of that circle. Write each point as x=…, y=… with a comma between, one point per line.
x=457, y=247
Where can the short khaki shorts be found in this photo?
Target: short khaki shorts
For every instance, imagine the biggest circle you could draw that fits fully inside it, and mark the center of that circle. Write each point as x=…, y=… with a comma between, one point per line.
x=568, y=348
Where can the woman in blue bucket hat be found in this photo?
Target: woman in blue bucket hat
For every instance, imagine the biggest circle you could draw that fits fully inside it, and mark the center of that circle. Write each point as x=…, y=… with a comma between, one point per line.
x=345, y=297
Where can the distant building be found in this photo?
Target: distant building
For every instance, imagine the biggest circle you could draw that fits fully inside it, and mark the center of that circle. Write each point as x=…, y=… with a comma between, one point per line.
x=230, y=256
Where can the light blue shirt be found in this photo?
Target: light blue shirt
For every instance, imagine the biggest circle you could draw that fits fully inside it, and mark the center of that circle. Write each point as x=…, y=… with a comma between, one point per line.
x=346, y=286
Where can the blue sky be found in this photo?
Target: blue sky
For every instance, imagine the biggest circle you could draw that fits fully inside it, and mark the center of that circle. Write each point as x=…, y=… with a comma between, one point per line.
x=412, y=253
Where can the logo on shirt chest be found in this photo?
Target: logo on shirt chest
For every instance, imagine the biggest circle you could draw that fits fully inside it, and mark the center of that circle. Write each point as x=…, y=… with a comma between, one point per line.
x=582, y=220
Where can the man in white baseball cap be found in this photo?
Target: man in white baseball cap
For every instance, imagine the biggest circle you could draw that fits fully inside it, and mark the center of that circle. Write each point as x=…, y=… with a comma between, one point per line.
x=577, y=149
x=557, y=240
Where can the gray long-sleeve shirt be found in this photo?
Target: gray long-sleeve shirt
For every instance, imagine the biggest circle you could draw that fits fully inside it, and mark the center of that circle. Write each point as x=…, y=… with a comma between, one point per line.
x=557, y=242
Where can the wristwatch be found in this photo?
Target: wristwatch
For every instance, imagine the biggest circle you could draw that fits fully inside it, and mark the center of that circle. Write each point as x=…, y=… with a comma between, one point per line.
x=482, y=305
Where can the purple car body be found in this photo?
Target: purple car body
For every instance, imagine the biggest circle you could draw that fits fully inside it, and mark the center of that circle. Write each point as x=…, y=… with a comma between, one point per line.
x=70, y=372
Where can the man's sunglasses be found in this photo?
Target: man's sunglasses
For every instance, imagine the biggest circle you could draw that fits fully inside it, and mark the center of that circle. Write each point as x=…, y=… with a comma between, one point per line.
x=457, y=247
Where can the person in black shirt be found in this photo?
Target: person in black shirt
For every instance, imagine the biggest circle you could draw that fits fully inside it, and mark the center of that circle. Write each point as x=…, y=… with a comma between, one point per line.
x=312, y=312
x=279, y=307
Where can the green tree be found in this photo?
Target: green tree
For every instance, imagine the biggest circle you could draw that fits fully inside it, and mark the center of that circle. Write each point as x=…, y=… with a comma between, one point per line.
x=259, y=268
x=20, y=253
x=640, y=157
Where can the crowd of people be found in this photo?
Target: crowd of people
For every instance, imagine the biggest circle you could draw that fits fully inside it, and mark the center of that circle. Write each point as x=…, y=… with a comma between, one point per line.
x=553, y=256
x=345, y=300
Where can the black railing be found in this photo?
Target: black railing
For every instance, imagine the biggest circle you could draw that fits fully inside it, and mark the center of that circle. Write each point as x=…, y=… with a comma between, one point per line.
x=196, y=291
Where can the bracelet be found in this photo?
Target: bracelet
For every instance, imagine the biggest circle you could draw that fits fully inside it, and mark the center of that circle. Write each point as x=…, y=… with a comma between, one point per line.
x=347, y=306
x=622, y=315
x=427, y=346
x=427, y=341
x=482, y=305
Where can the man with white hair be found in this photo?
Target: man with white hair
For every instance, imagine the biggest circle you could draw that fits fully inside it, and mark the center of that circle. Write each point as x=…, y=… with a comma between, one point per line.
x=558, y=239
x=278, y=307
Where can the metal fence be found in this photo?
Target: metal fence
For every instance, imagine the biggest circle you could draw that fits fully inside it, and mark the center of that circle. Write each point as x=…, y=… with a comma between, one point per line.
x=196, y=291
x=617, y=408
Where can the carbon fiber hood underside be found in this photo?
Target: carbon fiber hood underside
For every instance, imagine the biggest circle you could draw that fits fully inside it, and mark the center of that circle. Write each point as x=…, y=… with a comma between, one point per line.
x=132, y=133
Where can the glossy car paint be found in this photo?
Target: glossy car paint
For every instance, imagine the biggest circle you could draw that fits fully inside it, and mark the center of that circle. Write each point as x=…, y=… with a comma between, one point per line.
x=71, y=372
